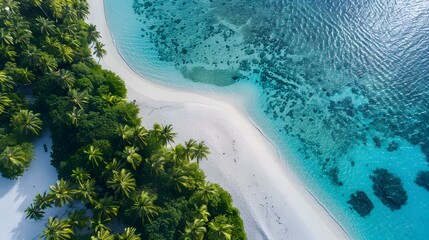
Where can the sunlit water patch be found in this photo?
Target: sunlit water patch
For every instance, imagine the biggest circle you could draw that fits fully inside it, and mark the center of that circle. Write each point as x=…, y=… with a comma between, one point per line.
x=343, y=87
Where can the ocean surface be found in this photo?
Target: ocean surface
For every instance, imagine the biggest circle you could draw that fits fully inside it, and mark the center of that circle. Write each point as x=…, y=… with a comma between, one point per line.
x=340, y=86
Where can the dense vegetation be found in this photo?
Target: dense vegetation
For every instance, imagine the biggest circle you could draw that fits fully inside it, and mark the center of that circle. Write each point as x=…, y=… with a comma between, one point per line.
x=114, y=173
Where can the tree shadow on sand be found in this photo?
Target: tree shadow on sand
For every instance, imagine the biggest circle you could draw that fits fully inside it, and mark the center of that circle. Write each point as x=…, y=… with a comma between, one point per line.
x=36, y=179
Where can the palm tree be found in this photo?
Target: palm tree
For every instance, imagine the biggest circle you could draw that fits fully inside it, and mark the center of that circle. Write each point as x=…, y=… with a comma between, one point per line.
x=61, y=193
x=103, y=234
x=77, y=219
x=75, y=115
x=82, y=9
x=125, y=132
x=93, y=34
x=190, y=149
x=122, y=182
x=158, y=160
x=181, y=179
x=31, y=55
x=165, y=133
x=57, y=229
x=201, y=151
x=143, y=207
x=43, y=201
x=27, y=122
x=100, y=224
x=34, y=212
x=129, y=234
x=112, y=99
x=131, y=155
x=140, y=134
x=8, y=52
x=106, y=208
x=66, y=53
x=177, y=154
x=219, y=229
x=4, y=102
x=86, y=190
x=99, y=50
x=48, y=64
x=207, y=192
x=113, y=167
x=46, y=26
x=203, y=213
x=14, y=160
x=5, y=37
x=94, y=155
x=51, y=45
x=6, y=82
x=80, y=99
x=195, y=230
x=80, y=175
x=22, y=36
x=64, y=78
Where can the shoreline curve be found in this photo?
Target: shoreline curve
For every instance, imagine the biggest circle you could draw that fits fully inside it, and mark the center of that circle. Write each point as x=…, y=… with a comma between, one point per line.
x=273, y=202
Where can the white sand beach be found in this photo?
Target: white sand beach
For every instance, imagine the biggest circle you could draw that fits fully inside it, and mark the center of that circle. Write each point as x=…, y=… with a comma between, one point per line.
x=17, y=195
x=273, y=202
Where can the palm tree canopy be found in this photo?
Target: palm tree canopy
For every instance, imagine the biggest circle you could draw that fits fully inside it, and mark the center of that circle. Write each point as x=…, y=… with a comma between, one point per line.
x=57, y=229
x=25, y=121
x=61, y=193
x=122, y=182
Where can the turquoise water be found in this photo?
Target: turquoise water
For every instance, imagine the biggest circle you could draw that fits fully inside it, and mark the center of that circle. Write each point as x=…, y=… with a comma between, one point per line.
x=341, y=87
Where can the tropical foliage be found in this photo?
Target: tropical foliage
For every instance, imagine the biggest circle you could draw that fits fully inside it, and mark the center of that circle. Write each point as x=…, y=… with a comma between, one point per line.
x=112, y=170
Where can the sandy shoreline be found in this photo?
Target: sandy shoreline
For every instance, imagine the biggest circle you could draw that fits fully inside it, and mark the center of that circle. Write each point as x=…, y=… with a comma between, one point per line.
x=273, y=202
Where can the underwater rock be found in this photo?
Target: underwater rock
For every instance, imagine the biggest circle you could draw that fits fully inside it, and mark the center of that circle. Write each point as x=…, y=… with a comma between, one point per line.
x=393, y=146
x=361, y=203
x=377, y=141
x=388, y=188
x=422, y=179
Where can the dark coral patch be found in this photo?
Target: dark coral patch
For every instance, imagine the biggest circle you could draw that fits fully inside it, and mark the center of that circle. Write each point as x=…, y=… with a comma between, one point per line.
x=422, y=179
x=388, y=188
x=361, y=203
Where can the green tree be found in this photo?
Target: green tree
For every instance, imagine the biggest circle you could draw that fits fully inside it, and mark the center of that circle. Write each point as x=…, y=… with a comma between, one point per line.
x=25, y=121
x=103, y=234
x=64, y=78
x=5, y=37
x=207, y=192
x=78, y=98
x=77, y=219
x=46, y=26
x=144, y=207
x=106, y=208
x=57, y=229
x=201, y=151
x=61, y=193
x=34, y=212
x=129, y=234
x=80, y=175
x=132, y=156
x=220, y=229
x=5, y=102
x=195, y=230
x=6, y=82
x=122, y=182
x=86, y=191
x=99, y=50
x=75, y=115
x=43, y=201
x=15, y=160
x=94, y=155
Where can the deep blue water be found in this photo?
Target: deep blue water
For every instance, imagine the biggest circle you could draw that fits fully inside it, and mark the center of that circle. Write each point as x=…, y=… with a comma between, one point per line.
x=342, y=86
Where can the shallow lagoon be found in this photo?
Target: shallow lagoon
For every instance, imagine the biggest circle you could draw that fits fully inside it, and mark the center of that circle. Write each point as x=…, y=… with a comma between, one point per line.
x=342, y=88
